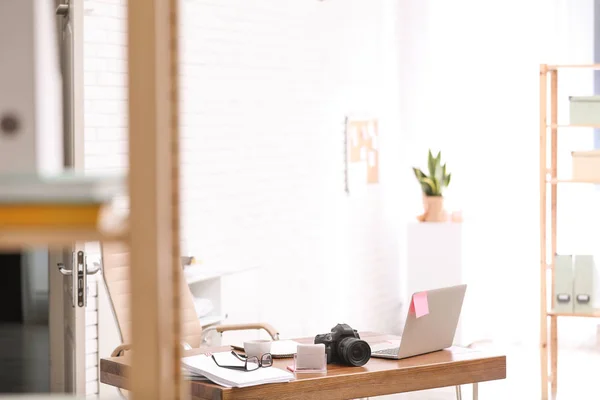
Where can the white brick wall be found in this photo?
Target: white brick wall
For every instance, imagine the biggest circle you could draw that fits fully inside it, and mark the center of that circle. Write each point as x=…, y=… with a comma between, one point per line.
x=266, y=85
x=105, y=96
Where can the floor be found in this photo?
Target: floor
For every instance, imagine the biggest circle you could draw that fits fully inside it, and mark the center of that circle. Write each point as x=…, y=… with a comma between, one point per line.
x=24, y=359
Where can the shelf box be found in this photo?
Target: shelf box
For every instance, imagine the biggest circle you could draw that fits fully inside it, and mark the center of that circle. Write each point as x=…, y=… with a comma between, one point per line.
x=584, y=110
x=586, y=165
x=563, y=284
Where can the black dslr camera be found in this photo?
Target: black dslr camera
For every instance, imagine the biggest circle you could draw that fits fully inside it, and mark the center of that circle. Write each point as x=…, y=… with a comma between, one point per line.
x=343, y=345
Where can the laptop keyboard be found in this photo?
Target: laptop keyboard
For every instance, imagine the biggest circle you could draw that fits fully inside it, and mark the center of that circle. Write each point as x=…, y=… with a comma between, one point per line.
x=391, y=352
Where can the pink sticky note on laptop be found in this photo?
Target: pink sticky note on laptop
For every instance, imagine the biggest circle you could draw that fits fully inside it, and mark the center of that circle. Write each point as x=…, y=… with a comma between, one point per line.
x=419, y=305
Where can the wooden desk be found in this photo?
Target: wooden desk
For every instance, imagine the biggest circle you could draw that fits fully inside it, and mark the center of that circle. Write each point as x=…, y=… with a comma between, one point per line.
x=452, y=367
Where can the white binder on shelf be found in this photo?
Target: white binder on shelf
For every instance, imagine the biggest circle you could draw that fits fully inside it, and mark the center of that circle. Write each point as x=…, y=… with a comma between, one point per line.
x=563, y=283
x=583, y=286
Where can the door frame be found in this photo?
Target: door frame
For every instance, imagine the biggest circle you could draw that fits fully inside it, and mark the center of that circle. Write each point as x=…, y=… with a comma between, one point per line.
x=55, y=278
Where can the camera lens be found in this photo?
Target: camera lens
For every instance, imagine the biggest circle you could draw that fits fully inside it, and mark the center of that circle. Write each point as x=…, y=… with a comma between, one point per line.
x=353, y=351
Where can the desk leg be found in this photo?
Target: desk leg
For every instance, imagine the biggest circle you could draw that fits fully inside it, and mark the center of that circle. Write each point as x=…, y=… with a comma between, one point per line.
x=458, y=393
x=475, y=391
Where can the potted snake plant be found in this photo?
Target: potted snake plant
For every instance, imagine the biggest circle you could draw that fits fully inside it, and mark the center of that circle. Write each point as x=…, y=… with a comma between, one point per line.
x=432, y=186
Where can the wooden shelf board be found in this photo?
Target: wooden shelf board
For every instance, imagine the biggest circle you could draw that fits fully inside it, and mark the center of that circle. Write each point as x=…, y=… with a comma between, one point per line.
x=555, y=181
x=52, y=237
x=572, y=66
x=595, y=314
x=555, y=126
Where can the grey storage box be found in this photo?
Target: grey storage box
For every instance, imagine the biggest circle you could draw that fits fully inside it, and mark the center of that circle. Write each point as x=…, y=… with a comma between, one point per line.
x=583, y=284
x=586, y=165
x=563, y=284
x=584, y=110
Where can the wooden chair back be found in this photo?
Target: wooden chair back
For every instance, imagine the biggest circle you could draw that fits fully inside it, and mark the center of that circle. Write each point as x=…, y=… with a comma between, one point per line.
x=116, y=272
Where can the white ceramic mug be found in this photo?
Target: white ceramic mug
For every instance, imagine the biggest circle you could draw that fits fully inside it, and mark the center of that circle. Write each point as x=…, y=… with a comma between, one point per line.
x=256, y=348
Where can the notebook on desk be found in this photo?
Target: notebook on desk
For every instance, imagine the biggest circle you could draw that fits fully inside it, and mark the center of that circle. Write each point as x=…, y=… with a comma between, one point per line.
x=204, y=366
x=279, y=348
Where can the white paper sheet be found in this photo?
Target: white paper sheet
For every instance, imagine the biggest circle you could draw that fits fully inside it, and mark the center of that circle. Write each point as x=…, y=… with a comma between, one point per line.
x=206, y=366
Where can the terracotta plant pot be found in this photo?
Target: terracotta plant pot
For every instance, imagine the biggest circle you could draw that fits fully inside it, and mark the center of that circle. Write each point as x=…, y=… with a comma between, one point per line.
x=434, y=209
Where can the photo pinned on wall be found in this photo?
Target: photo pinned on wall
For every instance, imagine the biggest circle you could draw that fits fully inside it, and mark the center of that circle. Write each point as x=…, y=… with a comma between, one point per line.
x=361, y=138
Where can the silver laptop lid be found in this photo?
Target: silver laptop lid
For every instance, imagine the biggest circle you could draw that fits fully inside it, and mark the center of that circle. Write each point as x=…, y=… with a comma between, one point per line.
x=434, y=331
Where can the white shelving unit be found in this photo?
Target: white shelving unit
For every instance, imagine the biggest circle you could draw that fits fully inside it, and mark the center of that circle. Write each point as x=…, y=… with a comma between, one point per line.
x=549, y=183
x=209, y=282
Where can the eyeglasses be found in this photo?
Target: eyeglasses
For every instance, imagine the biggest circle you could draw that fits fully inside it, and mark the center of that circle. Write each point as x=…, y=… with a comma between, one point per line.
x=250, y=363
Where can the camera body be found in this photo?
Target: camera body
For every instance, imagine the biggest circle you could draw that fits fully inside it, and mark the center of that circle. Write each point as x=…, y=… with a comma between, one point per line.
x=343, y=345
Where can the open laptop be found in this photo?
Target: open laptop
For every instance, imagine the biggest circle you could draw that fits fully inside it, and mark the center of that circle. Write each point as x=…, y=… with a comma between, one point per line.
x=432, y=332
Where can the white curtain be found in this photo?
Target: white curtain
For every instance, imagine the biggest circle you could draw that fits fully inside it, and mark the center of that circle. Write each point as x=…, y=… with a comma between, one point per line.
x=470, y=88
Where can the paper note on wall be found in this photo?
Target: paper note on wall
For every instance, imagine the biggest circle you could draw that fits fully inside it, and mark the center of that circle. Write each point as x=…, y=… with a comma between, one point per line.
x=374, y=142
x=354, y=137
x=419, y=305
x=362, y=147
x=371, y=129
x=371, y=159
x=363, y=154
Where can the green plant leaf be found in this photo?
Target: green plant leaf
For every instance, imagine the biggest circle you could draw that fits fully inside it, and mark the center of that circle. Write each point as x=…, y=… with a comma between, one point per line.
x=442, y=177
x=432, y=184
x=419, y=174
x=447, y=180
x=426, y=189
x=431, y=164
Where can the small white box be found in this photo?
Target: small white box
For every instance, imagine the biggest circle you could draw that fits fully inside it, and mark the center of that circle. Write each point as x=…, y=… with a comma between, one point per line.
x=584, y=110
x=586, y=165
x=310, y=358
